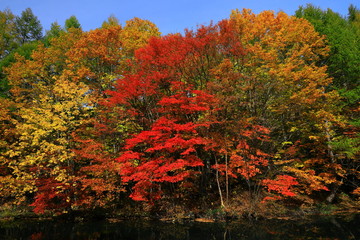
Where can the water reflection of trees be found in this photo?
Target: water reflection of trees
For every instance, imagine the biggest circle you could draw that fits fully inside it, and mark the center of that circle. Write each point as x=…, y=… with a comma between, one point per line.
x=331, y=228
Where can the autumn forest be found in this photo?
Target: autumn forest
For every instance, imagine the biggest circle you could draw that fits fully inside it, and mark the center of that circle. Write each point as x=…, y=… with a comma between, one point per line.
x=255, y=115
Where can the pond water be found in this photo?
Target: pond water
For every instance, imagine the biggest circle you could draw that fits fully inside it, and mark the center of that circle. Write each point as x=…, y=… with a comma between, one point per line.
x=324, y=228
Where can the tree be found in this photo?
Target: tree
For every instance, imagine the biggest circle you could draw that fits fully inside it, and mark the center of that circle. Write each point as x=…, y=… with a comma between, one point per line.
x=276, y=86
x=353, y=13
x=72, y=22
x=28, y=27
x=16, y=34
x=96, y=58
x=8, y=136
x=261, y=72
x=57, y=150
x=44, y=108
x=42, y=156
x=343, y=39
x=8, y=36
x=97, y=177
x=24, y=50
x=111, y=21
x=354, y=17
x=54, y=32
x=244, y=106
x=136, y=33
x=168, y=151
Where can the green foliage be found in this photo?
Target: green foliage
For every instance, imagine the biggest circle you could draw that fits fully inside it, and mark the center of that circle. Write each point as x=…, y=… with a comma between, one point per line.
x=24, y=50
x=216, y=213
x=344, y=41
x=17, y=36
x=15, y=212
x=72, y=22
x=111, y=21
x=343, y=37
x=28, y=27
x=54, y=32
x=8, y=37
x=349, y=147
x=353, y=11
x=326, y=209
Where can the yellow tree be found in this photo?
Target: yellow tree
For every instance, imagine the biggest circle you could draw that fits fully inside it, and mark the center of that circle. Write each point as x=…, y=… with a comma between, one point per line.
x=45, y=108
x=42, y=157
x=56, y=97
x=8, y=184
x=136, y=34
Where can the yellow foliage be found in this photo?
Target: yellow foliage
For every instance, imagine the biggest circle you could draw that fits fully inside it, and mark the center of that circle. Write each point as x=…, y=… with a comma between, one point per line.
x=54, y=93
x=137, y=32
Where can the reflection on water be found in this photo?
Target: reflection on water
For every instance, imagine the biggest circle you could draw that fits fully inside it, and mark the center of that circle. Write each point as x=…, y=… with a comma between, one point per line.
x=331, y=228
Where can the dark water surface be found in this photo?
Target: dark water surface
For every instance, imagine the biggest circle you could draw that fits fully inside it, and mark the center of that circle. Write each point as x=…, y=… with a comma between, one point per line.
x=321, y=228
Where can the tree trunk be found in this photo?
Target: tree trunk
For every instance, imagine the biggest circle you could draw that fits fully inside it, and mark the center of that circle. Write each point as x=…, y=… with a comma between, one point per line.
x=334, y=189
x=218, y=183
x=227, y=178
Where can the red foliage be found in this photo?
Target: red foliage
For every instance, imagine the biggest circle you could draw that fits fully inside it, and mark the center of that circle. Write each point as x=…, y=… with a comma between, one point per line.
x=51, y=195
x=96, y=178
x=166, y=152
x=246, y=159
x=165, y=94
x=281, y=185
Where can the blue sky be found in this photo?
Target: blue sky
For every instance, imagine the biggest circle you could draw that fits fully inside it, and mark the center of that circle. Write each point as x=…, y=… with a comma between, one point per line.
x=169, y=16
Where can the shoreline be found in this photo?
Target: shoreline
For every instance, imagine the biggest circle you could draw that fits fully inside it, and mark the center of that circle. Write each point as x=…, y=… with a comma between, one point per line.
x=201, y=217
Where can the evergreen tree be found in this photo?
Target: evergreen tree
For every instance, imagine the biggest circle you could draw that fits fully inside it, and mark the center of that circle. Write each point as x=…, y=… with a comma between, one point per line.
x=28, y=27
x=353, y=11
x=72, y=22
x=54, y=32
